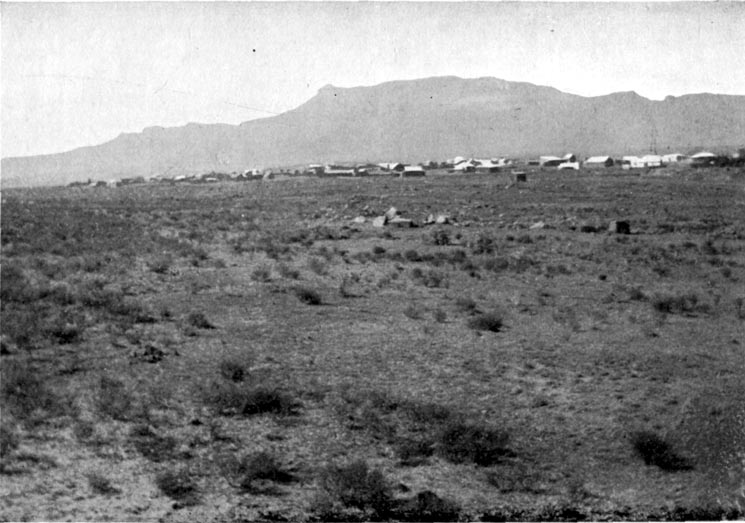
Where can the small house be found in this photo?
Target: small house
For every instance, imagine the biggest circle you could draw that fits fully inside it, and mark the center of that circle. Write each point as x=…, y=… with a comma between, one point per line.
x=412, y=171
x=598, y=161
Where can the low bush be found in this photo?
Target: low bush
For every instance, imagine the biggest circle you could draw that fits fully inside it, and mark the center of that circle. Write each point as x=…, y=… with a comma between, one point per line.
x=199, y=320
x=308, y=296
x=177, y=484
x=100, y=484
x=318, y=265
x=113, y=399
x=414, y=452
x=426, y=506
x=412, y=255
x=251, y=472
x=655, y=450
x=489, y=321
x=233, y=370
x=467, y=305
x=461, y=442
x=262, y=273
x=9, y=440
x=288, y=272
x=677, y=304
x=243, y=399
x=151, y=445
x=25, y=391
x=356, y=485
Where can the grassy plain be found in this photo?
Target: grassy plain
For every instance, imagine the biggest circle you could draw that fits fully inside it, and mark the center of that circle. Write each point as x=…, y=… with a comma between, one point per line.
x=231, y=352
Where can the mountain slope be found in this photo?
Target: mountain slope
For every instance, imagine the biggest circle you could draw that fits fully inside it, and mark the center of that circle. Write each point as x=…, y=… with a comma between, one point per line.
x=415, y=120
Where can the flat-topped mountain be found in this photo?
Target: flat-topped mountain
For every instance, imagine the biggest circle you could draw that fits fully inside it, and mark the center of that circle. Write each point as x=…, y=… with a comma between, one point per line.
x=410, y=121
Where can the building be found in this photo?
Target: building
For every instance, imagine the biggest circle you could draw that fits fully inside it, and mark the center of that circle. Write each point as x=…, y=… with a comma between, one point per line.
x=703, y=158
x=673, y=158
x=412, y=171
x=598, y=161
x=549, y=161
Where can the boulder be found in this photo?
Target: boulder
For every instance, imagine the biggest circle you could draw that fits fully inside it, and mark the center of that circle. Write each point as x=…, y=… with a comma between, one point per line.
x=442, y=219
x=401, y=222
x=619, y=227
x=430, y=220
x=537, y=225
x=380, y=221
x=391, y=213
x=359, y=219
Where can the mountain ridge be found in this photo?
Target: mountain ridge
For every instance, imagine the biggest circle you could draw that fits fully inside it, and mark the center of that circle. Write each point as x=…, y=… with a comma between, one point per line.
x=405, y=120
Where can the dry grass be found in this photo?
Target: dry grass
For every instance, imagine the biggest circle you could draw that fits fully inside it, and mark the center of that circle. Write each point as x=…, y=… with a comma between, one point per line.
x=435, y=418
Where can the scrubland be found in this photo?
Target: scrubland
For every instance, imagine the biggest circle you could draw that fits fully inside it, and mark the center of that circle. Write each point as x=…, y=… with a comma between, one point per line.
x=232, y=352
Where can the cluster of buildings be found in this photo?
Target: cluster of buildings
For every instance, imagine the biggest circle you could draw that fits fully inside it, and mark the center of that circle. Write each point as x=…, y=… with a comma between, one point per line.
x=458, y=164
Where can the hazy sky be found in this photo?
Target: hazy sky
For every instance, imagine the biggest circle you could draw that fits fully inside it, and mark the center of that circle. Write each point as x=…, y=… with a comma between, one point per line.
x=80, y=74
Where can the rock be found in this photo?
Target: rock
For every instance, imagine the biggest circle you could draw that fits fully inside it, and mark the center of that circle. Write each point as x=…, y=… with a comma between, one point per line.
x=359, y=219
x=380, y=221
x=619, y=227
x=401, y=222
x=430, y=220
x=391, y=213
x=442, y=219
x=537, y=225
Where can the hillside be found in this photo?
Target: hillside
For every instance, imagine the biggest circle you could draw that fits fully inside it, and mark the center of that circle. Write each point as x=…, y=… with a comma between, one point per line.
x=415, y=120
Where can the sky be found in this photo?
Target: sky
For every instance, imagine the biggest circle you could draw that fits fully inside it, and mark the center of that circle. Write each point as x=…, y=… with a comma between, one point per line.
x=76, y=74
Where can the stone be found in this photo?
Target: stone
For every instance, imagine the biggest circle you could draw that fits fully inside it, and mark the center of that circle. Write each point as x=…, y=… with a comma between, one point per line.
x=619, y=227
x=401, y=222
x=537, y=225
x=391, y=213
x=380, y=221
x=442, y=219
x=430, y=220
x=359, y=219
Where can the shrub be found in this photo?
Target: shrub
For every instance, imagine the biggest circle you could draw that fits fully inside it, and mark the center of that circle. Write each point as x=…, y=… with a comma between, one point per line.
x=318, y=265
x=246, y=400
x=356, y=485
x=14, y=287
x=262, y=273
x=177, y=484
x=233, y=370
x=413, y=452
x=461, y=442
x=288, y=272
x=378, y=250
x=199, y=320
x=308, y=296
x=113, y=399
x=466, y=305
x=483, y=245
x=152, y=446
x=654, y=450
x=24, y=391
x=427, y=506
x=9, y=440
x=100, y=484
x=439, y=237
x=161, y=264
x=412, y=312
x=672, y=304
x=412, y=255
x=249, y=472
x=490, y=321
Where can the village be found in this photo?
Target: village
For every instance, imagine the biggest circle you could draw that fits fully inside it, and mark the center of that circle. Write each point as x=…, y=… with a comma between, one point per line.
x=456, y=165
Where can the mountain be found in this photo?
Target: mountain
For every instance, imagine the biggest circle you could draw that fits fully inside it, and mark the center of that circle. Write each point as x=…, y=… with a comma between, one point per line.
x=411, y=121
